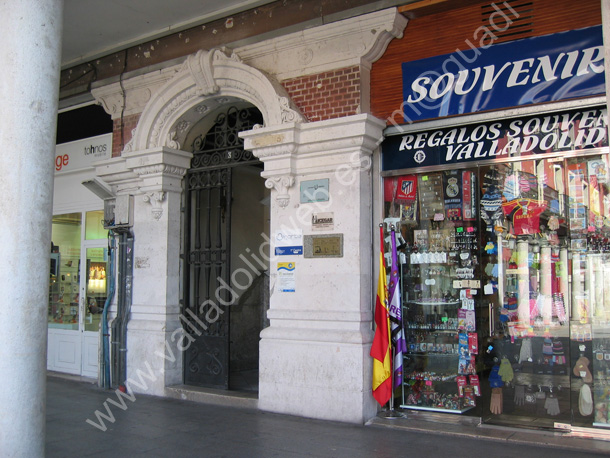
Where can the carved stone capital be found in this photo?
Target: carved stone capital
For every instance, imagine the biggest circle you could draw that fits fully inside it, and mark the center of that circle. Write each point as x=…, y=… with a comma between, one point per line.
x=153, y=170
x=281, y=184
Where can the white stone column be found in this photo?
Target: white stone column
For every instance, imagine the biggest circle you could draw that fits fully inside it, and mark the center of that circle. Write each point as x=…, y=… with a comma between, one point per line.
x=605, y=7
x=154, y=178
x=30, y=61
x=314, y=356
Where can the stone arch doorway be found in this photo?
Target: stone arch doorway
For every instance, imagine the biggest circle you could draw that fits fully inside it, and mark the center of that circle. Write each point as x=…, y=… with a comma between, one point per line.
x=208, y=85
x=224, y=222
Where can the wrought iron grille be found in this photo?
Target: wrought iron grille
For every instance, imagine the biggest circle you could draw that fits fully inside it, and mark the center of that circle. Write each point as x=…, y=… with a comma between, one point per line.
x=221, y=146
x=207, y=246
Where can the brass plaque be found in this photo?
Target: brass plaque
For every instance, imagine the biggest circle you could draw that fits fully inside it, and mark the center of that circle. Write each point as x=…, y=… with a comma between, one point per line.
x=323, y=246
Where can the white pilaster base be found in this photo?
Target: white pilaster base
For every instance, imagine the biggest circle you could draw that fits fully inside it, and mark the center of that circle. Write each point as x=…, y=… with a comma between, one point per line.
x=317, y=379
x=154, y=360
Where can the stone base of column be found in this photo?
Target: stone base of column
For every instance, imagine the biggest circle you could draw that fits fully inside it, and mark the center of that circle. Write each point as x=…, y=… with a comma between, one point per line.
x=327, y=380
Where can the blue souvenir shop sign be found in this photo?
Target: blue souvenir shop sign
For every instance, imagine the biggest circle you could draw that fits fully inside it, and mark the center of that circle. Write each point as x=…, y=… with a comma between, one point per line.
x=533, y=70
x=520, y=137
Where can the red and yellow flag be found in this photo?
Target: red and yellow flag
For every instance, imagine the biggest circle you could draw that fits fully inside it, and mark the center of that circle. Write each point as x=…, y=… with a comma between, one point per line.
x=381, y=350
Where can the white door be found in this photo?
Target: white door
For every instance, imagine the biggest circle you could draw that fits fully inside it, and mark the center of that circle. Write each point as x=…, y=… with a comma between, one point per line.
x=77, y=292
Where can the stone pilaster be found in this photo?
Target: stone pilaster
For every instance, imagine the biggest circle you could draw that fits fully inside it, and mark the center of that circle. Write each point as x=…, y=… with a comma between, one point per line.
x=154, y=178
x=314, y=355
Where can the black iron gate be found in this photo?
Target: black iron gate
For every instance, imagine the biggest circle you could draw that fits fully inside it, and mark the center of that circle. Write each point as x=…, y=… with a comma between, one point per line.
x=207, y=292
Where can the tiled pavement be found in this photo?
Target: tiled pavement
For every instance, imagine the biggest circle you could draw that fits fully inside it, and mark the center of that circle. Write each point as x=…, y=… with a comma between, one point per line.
x=161, y=427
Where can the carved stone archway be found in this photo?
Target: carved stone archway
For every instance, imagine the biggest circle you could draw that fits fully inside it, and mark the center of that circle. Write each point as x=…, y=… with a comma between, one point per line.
x=208, y=79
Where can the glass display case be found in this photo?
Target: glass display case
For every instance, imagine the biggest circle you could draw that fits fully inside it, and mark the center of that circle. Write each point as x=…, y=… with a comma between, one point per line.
x=505, y=275
x=440, y=280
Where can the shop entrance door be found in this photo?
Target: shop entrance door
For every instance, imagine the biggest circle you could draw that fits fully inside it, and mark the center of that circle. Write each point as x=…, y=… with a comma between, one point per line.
x=77, y=292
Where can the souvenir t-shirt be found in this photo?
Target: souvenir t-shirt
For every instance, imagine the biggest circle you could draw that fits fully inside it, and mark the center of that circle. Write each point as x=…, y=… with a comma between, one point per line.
x=525, y=215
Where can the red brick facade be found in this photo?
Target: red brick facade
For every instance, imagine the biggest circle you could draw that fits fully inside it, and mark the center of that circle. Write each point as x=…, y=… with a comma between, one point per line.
x=326, y=95
x=120, y=137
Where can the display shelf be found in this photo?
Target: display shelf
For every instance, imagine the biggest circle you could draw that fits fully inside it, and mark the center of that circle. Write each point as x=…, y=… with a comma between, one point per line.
x=433, y=302
x=444, y=379
x=430, y=353
x=432, y=328
x=529, y=378
x=601, y=329
x=438, y=409
x=551, y=330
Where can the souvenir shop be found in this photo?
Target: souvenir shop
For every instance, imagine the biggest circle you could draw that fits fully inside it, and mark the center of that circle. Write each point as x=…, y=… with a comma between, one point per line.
x=502, y=222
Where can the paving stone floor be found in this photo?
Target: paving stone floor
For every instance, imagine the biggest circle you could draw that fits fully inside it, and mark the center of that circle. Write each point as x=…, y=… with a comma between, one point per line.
x=161, y=427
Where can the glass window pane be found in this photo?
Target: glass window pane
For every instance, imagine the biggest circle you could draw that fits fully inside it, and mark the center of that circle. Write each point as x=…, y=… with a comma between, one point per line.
x=97, y=259
x=94, y=225
x=64, y=274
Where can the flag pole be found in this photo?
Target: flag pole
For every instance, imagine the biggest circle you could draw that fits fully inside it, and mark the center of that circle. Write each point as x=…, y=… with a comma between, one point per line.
x=392, y=413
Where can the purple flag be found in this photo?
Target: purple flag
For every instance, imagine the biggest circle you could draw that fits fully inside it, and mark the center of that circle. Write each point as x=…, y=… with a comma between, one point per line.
x=394, y=302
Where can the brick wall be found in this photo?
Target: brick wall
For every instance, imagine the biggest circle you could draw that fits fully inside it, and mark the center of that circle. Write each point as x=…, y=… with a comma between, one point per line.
x=120, y=139
x=326, y=95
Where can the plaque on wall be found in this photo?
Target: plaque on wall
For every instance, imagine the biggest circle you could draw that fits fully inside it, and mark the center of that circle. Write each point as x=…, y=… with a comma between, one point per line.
x=314, y=191
x=323, y=246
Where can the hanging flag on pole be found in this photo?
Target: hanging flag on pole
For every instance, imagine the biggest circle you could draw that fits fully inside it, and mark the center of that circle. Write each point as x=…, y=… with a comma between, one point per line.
x=398, y=336
x=381, y=349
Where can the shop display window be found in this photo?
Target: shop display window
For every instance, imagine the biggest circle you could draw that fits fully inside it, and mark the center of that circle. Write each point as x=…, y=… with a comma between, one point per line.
x=97, y=287
x=505, y=275
x=65, y=302
x=64, y=281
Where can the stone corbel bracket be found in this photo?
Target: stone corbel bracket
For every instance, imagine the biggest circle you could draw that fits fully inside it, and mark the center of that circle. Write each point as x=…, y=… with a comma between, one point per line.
x=155, y=199
x=281, y=184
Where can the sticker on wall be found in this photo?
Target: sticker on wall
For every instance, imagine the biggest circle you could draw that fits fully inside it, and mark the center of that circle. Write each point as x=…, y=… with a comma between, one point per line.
x=286, y=277
x=288, y=242
x=324, y=221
